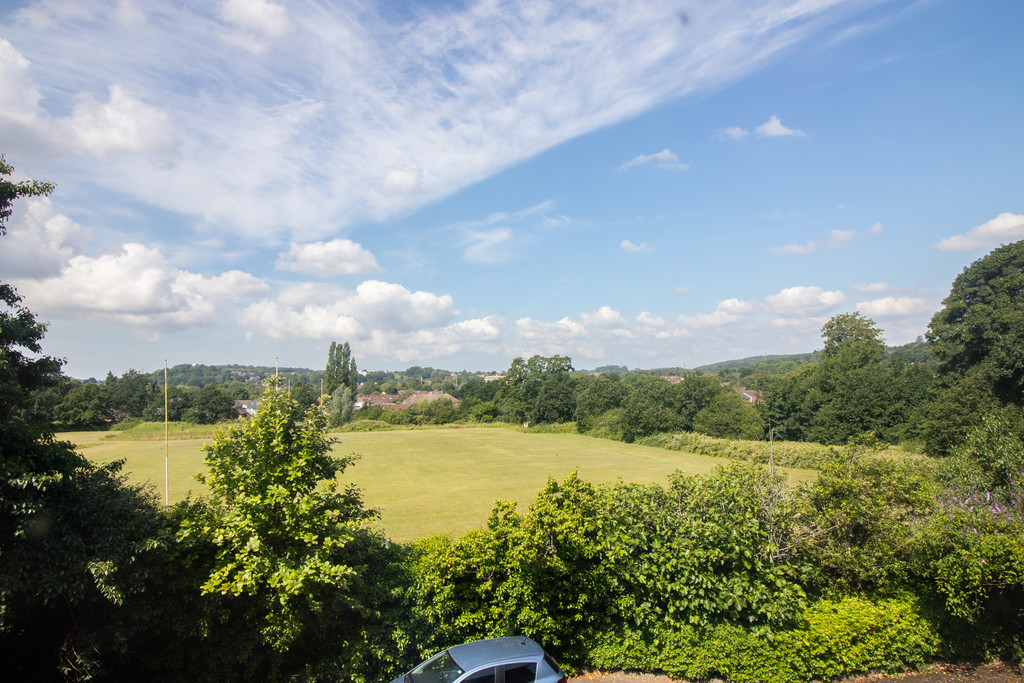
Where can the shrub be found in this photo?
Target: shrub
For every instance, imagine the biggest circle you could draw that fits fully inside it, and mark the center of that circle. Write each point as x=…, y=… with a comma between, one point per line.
x=834, y=639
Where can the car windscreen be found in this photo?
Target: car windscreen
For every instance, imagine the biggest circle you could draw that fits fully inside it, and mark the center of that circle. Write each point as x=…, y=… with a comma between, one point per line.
x=440, y=668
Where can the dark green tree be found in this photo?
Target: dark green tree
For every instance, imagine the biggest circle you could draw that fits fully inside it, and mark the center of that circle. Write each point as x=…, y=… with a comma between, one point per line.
x=728, y=416
x=341, y=369
x=74, y=539
x=978, y=340
x=980, y=328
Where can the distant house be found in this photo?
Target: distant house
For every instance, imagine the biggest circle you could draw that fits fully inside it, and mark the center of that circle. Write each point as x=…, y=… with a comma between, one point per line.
x=751, y=396
x=674, y=379
x=247, y=408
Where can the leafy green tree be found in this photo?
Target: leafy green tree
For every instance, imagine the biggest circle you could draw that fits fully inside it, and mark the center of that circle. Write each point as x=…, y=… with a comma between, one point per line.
x=728, y=416
x=129, y=394
x=83, y=407
x=692, y=395
x=286, y=537
x=212, y=404
x=339, y=409
x=596, y=396
x=539, y=390
x=859, y=521
x=981, y=325
x=647, y=407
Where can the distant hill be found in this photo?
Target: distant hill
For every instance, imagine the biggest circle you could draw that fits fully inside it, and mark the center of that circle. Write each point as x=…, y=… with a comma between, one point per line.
x=914, y=352
x=198, y=375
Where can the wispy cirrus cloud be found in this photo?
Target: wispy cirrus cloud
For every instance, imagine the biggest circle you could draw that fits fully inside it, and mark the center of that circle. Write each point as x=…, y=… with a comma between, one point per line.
x=665, y=159
x=257, y=132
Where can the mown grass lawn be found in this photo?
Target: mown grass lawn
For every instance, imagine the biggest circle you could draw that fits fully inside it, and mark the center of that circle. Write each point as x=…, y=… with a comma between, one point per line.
x=436, y=480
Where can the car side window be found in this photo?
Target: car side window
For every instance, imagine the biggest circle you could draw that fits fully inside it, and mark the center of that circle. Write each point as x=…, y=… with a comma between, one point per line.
x=520, y=673
x=483, y=676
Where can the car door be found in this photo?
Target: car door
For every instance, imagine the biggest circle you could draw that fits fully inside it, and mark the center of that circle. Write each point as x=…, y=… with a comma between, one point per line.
x=517, y=672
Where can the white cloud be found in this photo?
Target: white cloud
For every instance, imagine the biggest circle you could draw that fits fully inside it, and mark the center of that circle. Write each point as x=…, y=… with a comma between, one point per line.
x=1003, y=229
x=773, y=128
x=320, y=311
x=39, y=240
x=400, y=181
x=893, y=306
x=357, y=115
x=486, y=246
x=257, y=23
x=641, y=248
x=327, y=259
x=837, y=239
x=665, y=159
x=135, y=286
x=871, y=288
x=727, y=312
x=808, y=248
x=19, y=97
x=802, y=301
x=121, y=124
x=732, y=133
x=605, y=317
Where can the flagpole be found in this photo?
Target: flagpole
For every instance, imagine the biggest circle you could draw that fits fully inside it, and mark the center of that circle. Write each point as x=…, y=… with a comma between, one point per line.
x=167, y=498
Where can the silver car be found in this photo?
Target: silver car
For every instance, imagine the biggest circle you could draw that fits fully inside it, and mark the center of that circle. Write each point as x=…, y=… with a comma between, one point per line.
x=496, y=660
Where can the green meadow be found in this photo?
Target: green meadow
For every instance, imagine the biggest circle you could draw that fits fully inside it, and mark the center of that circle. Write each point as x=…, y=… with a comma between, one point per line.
x=428, y=481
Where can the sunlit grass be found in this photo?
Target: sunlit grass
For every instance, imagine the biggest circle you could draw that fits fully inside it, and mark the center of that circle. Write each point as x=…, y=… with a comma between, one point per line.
x=442, y=480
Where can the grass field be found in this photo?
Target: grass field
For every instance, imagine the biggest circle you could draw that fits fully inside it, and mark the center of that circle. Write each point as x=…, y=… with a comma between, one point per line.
x=433, y=481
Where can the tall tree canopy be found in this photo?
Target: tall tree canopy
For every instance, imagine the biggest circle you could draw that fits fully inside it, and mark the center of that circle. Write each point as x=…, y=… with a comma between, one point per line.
x=341, y=369
x=981, y=325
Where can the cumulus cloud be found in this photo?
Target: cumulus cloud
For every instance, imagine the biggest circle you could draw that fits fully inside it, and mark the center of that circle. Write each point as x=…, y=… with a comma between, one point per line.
x=893, y=306
x=837, y=239
x=1003, y=229
x=632, y=248
x=665, y=159
x=327, y=259
x=135, y=286
x=773, y=128
x=39, y=240
x=320, y=312
x=604, y=317
x=121, y=124
x=802, y=301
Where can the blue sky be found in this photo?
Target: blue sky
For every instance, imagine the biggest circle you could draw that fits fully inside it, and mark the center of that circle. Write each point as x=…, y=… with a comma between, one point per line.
x=456, y=184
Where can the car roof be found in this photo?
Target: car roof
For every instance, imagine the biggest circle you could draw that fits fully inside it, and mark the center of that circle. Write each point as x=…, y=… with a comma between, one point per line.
x=479, y=652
